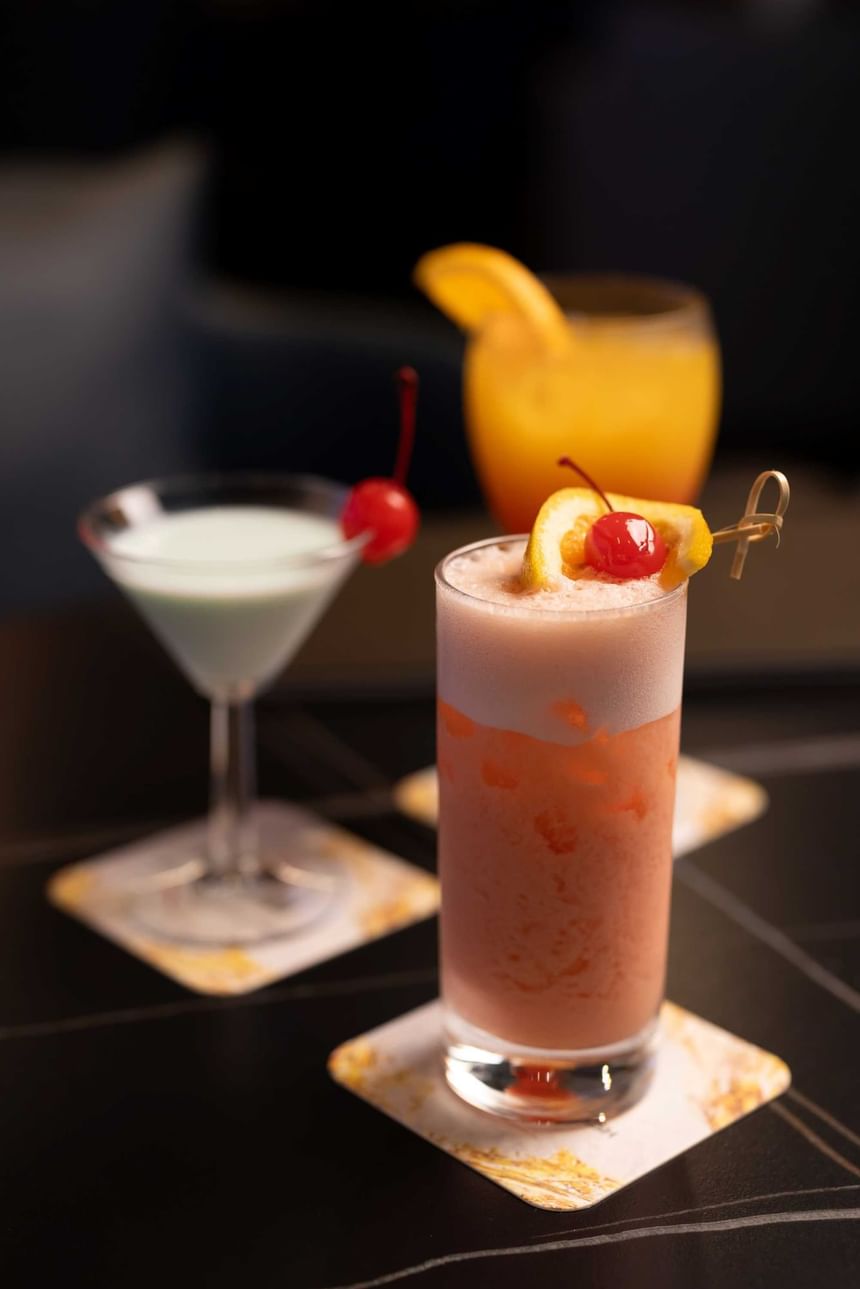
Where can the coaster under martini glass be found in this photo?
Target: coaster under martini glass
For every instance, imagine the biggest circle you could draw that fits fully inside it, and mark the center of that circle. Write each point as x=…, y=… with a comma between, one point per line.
x=705, y=1079
x=344, y=892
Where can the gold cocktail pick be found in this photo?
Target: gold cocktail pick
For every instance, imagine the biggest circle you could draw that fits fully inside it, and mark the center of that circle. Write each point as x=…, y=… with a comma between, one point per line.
x=755, y=525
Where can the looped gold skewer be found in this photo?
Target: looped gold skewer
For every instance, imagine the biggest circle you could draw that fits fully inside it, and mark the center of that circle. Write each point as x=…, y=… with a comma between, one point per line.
x=754, y=525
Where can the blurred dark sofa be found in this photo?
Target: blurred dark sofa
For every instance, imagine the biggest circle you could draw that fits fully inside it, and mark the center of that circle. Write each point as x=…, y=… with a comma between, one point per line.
x=120, y=360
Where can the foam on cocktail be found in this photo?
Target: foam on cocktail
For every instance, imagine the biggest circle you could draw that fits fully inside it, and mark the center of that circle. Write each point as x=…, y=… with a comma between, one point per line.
x=510, y=659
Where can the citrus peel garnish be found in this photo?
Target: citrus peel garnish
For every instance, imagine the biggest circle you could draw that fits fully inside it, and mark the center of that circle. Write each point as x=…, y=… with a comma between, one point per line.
x=556, y=545
x=472, y=283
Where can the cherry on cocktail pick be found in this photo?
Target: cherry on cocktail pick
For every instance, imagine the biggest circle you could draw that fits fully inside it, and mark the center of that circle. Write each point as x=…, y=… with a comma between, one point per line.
x=384, y=507
x=620, y=543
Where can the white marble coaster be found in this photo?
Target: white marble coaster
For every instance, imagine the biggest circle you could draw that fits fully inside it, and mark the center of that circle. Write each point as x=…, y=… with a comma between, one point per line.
x=374, y=893
x=708, y=802
x=705, y=1079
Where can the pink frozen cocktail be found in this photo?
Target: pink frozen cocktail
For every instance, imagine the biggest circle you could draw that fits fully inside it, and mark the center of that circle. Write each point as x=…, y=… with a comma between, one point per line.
x=557, y=750
x=560, y=671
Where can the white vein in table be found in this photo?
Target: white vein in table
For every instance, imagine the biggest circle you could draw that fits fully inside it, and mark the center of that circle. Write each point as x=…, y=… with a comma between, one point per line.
x=192, y=1006
x=823, y=1147
x=310, y=734
x=788, y=1218
x=826, y=1117
x=35, y=850
x=740, y=913
x=704, y=1208
x=849, y=930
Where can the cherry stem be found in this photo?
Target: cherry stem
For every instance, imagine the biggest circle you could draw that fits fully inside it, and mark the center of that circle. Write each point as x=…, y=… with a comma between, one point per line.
x=588, y=479
x=407, y=389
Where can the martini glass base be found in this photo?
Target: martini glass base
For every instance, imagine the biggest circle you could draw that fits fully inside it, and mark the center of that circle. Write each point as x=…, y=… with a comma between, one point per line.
x=235, y=910
x=168, y=894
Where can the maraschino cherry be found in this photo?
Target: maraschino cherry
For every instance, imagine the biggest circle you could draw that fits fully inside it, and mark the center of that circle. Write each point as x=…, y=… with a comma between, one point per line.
x=384, y=507
x=620, y=543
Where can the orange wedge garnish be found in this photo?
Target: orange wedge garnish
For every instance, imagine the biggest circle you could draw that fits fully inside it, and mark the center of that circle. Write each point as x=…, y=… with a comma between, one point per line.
x=556, y=546
x=473, y=283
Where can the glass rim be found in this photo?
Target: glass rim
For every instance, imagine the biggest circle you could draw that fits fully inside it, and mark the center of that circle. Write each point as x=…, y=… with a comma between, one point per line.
x=441, y=578
x=681, y=301
x=164, y=485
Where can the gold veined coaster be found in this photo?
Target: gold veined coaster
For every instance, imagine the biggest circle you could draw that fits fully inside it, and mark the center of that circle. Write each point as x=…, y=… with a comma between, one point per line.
x=709, y=801
x=372, y=893
x=705, y=1079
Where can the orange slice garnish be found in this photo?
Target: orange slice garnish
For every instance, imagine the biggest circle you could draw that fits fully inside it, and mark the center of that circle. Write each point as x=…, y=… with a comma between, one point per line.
x=472, y=283
x=556, y=545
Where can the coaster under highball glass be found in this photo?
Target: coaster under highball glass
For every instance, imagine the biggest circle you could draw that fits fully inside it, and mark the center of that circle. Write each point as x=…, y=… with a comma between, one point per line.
x=557, y=750
x=231, y=573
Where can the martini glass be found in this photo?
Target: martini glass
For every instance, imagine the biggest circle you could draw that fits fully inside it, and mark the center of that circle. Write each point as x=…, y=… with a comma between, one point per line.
x=231, y=572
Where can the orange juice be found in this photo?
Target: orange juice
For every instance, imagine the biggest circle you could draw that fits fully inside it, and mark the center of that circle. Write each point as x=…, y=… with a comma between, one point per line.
x=633, y=395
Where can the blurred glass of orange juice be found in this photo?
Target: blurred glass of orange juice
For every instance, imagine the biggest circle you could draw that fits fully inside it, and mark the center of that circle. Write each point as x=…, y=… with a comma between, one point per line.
x=621, y=373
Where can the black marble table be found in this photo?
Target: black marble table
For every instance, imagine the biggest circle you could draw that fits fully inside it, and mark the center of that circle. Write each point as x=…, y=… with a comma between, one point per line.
x=149, y=1136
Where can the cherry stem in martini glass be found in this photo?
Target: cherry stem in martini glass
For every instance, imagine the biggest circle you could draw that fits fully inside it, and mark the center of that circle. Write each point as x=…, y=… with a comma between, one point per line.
x=407, y=389
x=571, y=465
x=384, y=508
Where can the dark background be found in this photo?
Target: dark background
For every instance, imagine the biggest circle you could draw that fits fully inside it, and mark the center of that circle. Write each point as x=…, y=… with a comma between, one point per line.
x=208, y=217
x=209, y=213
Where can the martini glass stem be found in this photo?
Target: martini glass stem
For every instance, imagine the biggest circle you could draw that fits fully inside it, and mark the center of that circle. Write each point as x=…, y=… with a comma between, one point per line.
x=232, y=840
